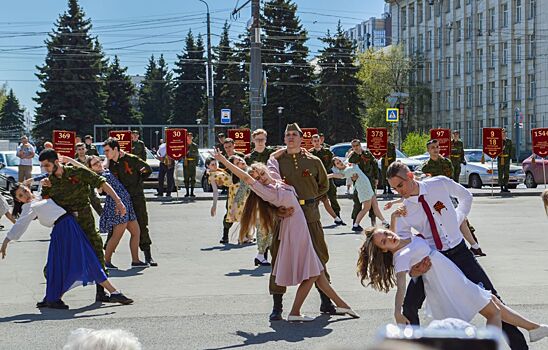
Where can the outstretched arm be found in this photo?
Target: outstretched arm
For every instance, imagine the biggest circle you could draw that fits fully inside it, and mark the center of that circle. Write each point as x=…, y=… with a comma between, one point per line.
x=65, y=159
x=335, y=176
x=400, y=295
x=242, y=175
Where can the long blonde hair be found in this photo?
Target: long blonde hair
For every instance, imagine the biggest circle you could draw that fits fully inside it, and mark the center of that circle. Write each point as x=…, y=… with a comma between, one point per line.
x=375, y=265
x=257, y=211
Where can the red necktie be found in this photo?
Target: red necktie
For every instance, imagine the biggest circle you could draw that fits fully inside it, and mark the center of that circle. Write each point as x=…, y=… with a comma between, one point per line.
x=433, y=226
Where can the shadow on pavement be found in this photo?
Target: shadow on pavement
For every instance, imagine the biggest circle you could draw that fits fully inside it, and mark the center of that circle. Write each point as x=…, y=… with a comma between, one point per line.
x=225, y=247
x=286, y=331
x=54, y=314
x=260, y=271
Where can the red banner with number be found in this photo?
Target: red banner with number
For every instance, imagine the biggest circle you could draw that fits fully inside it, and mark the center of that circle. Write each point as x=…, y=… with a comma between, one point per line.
x=307, y=137
x=492, y=142
x=176, y=143
x=124, y=139
x=64, y=142
x=377, y=141
x=539, y=136
x=242, y=140
x=444, y=139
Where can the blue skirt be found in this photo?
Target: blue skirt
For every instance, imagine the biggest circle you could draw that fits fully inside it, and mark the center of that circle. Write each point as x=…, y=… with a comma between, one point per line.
x=71, y=260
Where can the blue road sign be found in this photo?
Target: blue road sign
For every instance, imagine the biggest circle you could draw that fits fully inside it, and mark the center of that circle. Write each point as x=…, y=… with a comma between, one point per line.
x=225, y=116
x=392, y=115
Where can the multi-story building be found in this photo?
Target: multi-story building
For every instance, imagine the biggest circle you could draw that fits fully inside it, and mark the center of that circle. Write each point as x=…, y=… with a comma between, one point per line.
x=483, y=59
x=369, y=34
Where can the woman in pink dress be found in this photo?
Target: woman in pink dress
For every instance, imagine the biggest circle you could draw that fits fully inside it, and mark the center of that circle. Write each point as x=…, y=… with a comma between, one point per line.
x=296, y=263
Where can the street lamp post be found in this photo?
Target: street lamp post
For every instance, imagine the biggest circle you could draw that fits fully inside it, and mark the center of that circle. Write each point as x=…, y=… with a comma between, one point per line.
x=209, y=85
x=280, y=111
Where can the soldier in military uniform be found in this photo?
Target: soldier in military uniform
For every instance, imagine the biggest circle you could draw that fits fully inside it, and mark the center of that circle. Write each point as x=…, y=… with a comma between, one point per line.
x=503, y=162
x=386, y=160
x=368, y=164
x=131, y=171
x=330, y=201
x=322, y=141
x=90, y=148
x=221, y=144
x=260, y=154
x=307, y=175
x=82, y=158
x=191, y=161
x=457, y=155
x=69, y=187
x=138, y=146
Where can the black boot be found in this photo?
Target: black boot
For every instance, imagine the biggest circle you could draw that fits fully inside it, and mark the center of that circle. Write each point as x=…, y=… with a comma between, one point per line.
x=224, y=240
x=266, y=254
x=327, y=306
x=100, y=295
x=277, y=309
x=384, y=191
x=148, y=258
x=186, y=188
x=192, y=192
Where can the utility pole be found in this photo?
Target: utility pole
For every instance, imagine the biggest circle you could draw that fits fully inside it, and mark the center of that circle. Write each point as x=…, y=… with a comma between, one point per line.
x=255, y=71
x=210, y=87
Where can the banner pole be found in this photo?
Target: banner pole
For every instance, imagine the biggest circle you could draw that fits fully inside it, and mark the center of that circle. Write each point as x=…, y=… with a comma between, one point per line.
x=492, y=177
x=544, y=160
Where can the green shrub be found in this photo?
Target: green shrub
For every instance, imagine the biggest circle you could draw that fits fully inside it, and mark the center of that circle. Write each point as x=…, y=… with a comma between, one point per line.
x=415, y=143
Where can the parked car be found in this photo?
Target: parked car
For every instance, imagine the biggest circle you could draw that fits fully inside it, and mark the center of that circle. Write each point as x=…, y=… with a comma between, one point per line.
x=421, y=157
x=151, y=160
x=11, y=170
x=340, y=150
x=534, y=172
x=201, y=179
x=476, y=174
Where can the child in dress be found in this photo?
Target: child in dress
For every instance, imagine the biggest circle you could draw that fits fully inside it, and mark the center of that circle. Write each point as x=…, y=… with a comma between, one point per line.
x=366, y=195
x=297, y=262
x=71, y=259
x=385, y=259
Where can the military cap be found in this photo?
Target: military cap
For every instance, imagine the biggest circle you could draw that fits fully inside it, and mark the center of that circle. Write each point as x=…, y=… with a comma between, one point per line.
x=293, y=127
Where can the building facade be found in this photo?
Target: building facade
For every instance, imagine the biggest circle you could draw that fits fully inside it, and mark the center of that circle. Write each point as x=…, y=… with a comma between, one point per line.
x=369, y=34
x=483, y=59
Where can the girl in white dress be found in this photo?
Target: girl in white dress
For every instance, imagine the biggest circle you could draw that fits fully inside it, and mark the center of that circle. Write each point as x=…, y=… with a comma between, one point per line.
x=385, y=259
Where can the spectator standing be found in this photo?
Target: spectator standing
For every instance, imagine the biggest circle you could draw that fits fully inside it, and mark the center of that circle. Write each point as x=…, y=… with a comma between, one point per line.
x=138, y=146
x=90, y=148
x=25, y=153
x=167, y=167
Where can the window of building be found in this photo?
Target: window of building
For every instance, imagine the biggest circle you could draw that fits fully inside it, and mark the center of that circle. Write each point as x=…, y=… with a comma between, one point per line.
x=419, y=11
x=532, y=47
x=530, y=124
x=518, y=50
x=468, y=93
x=492, y=56
x=428, y=11
x=478, y=135
x=438, y=98
x=469, y=26
x=458, y=96
x=479, y=96
x=437, y=8
x=404, y=43
x=428, y=40
x=480, y=23
x=504, y=86
x=504, y=55
x=469, y=130
x=458, y=30
x=504, y=15
x=491, y=93
x=479, y=64
x=448, y=100
x=457, y=4
x=448, y=67
x=458, y=61
x=517, y=88
x=447, y=5
x=428, y=71
x=403, y=18
x=491, y=20
x=448, y=35
x=532, y=9
x=420, y=43
x=440, y=69
x=518, y=11
x=469, y=62
x=532, y=86
x=412, y=45
x=411, y=16
x=491, y=122
x=439, y=37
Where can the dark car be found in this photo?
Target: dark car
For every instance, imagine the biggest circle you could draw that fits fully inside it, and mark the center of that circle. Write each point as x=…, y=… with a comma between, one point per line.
x=535, y=173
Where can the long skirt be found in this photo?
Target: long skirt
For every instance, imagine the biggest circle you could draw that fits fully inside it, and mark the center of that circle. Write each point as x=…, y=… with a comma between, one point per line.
x=71, y=260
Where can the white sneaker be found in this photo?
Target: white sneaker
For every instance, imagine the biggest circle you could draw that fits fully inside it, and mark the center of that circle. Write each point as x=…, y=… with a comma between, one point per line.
x=299, y=318
x=539, y=333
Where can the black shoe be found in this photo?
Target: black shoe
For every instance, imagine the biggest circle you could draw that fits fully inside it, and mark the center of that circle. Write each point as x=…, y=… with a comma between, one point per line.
x=357, y=228
x=148, y=257
x=328, y=309
x=168, y=195
x=42, y=304
x=187, y=195
x=58, y=304
x=261, y=263
x=389, y=191
x=339, y=223
x=120, y=298
x=139, y=264
x=102, y=298
x=276, y=315
x=150, y=261
x=110, y=266
x=477, y=252
x=224, y=240
x=192, y=195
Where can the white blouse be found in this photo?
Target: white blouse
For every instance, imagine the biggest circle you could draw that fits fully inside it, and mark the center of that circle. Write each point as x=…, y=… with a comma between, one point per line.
x=46, y=211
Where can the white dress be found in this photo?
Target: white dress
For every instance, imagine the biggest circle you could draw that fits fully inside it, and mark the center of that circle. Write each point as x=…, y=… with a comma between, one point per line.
x=4, y=206
x=449, y=294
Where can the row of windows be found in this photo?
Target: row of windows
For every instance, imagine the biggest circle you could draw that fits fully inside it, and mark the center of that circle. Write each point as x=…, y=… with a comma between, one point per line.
x=424, y=11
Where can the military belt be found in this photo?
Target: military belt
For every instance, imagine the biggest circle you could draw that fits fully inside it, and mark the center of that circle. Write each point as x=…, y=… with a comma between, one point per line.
x=307, y=201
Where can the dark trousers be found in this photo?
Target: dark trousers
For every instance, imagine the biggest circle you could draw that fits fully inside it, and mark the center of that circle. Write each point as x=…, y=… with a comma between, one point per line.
x=467, y=263
x=162, y=173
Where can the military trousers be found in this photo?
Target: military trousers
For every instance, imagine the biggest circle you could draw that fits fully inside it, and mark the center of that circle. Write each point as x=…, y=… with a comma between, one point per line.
x=503, y=172
x=189, y=173
x=456, y=170
x=87, y=222
x=140, y=207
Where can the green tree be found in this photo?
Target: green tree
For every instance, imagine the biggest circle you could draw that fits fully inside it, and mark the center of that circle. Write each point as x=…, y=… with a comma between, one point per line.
x=337, y=89
x=71, y=77
x=155, y=100
x=285, y=60
x=229, y=80
x=415, y=143
x=3, y=93
x=190, y=83
x=12, y=119
x=119, y=90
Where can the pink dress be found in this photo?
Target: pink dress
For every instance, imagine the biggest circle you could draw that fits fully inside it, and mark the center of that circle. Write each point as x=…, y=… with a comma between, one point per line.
x=296, y=260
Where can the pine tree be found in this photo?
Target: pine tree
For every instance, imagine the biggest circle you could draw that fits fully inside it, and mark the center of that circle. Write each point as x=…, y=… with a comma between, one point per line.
x=71, y=78
x=290, y=76
x=190, y=83
x=229, y=80
x=155, y=100
x=12, y=120
x=119, y=90
x=337, y=89
x=3, y=93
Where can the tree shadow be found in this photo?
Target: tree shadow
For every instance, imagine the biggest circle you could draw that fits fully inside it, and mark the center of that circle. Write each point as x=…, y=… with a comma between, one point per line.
x=260, y=271
x=286, y=331
x=47, y=314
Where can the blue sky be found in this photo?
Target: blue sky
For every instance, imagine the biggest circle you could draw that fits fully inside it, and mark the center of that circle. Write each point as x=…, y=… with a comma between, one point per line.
x=161, y=28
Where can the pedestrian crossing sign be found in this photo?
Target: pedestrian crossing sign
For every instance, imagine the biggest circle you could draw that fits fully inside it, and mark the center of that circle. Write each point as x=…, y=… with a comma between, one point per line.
x=392, y=115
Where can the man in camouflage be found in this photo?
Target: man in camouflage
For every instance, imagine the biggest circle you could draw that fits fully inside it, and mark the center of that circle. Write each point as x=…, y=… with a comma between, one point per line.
x=368, y=164
x=69, y=187
x=82, y=158
x=503, y=162
x=191, y=162
x=307, y=175
x=90, y=148
x=137, y=146
x=457, y=155
x=131, y=171
x=330, y=200
x=386, y=160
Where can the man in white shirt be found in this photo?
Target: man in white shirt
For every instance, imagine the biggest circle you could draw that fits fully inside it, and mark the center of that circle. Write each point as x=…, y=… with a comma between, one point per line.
x=167, y=168
x=25, y=153
x=431, y=213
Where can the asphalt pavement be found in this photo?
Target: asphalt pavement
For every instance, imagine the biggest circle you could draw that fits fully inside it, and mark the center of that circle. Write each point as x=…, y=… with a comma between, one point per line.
x=205, y=295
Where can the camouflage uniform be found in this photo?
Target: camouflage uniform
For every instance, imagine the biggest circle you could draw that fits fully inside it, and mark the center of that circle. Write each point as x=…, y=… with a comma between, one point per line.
x=138, y=149
x=91, y=150
x=307, y=174
x=387, y=159
x=93, y=198
x=189, y=169
x=368, y=164
x=255, y=156
x=457, y=157
x=128, y=170
x=71, y=192
x=442, y=166
x=503, y=162
x=326, y=156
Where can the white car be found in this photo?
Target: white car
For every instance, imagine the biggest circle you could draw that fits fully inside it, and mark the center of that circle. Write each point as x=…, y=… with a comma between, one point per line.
x=11, y=169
